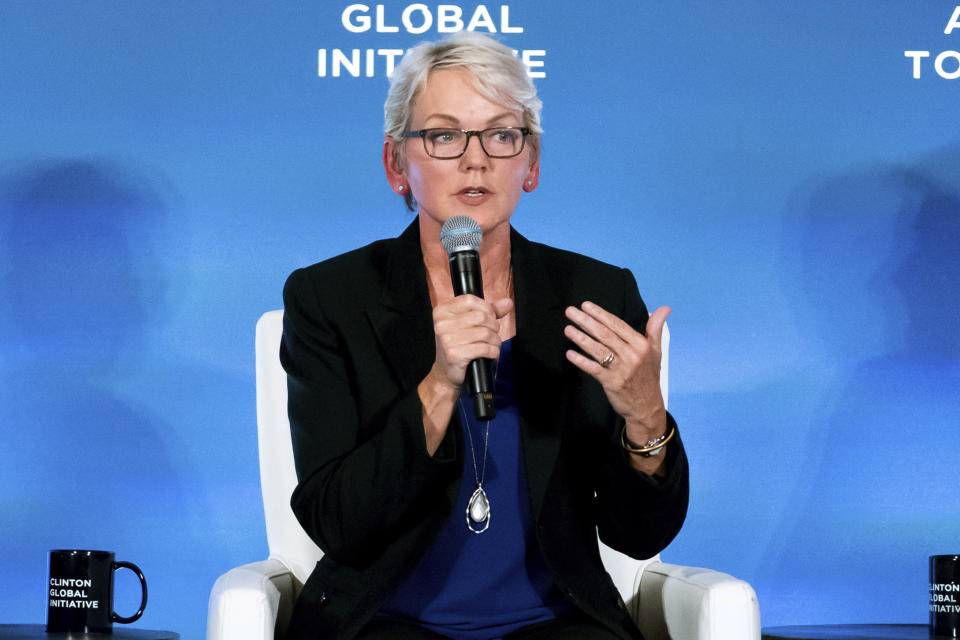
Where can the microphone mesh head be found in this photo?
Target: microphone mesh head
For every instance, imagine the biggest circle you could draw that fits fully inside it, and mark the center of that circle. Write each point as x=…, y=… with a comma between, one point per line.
x=460, y=233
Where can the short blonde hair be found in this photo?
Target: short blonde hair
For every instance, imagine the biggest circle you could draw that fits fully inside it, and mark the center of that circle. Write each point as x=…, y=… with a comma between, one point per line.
x=497, y=74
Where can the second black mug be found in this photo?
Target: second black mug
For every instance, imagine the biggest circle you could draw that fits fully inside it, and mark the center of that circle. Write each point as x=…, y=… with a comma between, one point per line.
x=945, y=596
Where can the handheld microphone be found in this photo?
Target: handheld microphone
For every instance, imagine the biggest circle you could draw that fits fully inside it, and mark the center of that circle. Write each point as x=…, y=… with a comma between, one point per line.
x=461, y=236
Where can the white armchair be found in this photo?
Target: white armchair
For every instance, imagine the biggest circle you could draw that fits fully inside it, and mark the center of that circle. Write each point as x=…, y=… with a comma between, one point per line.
x=254, y=601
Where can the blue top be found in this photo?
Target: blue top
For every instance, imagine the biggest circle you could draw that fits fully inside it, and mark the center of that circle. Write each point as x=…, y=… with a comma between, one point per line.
x=480, y=586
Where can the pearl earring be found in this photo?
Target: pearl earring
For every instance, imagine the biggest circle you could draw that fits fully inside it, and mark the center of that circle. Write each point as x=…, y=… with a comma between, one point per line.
x=400, y=188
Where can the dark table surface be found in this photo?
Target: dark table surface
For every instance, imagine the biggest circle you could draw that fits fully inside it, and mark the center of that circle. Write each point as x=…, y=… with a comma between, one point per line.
x=849, y=632
x=38, y=632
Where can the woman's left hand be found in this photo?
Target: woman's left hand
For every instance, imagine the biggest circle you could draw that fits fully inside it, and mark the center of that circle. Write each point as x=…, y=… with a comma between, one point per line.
x=625, y=362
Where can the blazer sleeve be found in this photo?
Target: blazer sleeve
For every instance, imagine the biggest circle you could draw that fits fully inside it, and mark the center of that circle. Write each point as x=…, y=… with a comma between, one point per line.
x=361, y=474
x=639, y=514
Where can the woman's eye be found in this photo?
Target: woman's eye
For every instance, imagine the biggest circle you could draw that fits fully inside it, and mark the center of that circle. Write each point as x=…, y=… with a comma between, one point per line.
x=443, y=137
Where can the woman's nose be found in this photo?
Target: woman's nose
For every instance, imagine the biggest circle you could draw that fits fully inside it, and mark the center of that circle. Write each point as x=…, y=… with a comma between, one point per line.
x=474, y=156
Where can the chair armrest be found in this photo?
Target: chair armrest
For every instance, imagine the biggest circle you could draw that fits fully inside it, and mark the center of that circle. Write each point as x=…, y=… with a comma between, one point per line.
x=252, y=602
x=691, y=603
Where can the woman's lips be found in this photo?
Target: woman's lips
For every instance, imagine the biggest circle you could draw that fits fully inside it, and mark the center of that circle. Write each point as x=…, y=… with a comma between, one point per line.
x=473, y=195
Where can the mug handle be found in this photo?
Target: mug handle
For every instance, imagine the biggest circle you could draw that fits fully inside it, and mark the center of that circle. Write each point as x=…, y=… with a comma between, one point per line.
x=143, y=603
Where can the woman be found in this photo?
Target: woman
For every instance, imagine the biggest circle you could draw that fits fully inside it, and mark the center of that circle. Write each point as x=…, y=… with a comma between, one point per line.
x=433, y=524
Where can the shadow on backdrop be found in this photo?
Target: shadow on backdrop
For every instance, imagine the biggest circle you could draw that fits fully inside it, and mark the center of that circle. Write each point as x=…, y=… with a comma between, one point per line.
x=92, y=468
x=870, y=262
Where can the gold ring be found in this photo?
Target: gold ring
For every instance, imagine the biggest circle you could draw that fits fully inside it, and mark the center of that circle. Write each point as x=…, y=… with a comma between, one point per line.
x=606, y=362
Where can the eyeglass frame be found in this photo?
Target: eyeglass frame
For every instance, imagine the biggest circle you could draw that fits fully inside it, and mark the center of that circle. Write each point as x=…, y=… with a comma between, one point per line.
x=422, y=134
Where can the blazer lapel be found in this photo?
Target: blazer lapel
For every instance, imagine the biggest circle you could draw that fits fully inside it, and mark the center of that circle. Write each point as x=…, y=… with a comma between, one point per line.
x=402, y=318
x=403, y=322
x=540, y=366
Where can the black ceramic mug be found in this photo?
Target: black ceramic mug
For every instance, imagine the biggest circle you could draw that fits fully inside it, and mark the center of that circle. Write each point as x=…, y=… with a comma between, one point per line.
x=945, y=596
x=80, y=591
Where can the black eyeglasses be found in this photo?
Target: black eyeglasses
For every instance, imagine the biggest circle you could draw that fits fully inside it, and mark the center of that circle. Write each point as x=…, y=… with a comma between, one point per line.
x=447, y=144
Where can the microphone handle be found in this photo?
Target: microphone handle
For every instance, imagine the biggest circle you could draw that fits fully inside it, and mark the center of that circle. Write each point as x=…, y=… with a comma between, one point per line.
x=467, y=279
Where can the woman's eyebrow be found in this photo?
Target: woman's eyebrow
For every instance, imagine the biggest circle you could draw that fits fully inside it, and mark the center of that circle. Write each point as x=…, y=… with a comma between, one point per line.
x=452, y=120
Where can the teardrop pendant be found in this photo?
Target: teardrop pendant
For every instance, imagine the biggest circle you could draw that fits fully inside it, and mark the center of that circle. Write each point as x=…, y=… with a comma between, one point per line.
x=478, y=511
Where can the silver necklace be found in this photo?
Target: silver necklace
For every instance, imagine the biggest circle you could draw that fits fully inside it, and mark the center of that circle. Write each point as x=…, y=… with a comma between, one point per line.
x=478, y=506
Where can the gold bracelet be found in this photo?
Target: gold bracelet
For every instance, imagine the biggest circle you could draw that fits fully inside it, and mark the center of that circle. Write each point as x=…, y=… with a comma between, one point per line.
x=652, y=448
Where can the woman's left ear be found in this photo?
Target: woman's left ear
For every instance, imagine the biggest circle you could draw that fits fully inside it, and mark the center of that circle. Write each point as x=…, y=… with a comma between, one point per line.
x=533, y=177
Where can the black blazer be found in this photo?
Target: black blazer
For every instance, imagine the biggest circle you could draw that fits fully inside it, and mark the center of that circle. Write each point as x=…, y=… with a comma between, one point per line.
x=358, y=339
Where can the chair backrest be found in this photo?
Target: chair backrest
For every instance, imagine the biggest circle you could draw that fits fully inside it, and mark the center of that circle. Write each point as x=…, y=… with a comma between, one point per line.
x=278, y=478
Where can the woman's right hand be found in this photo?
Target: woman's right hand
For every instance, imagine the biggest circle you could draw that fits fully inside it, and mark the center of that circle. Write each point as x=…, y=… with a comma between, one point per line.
x=465, y=328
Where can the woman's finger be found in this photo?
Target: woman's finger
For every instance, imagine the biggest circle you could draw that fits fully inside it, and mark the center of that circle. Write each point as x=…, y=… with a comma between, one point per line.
x=655, y=324
x=595, y=329
x=585, y=364
x=613, y=323
x=599, y=352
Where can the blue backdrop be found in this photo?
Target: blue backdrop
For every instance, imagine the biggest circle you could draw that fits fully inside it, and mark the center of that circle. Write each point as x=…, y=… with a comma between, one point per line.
x=773, y=171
